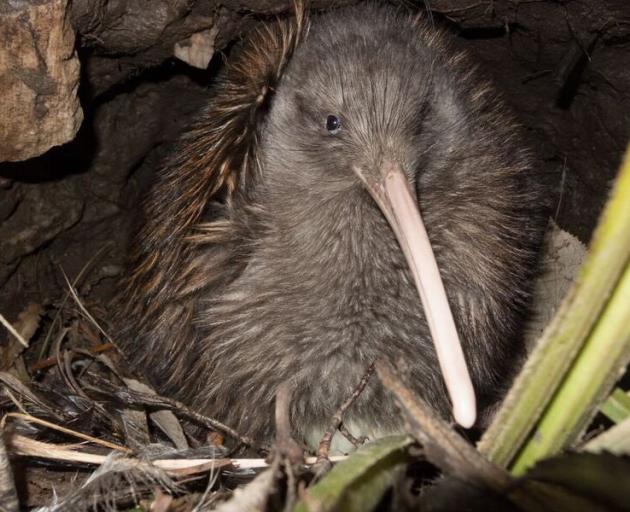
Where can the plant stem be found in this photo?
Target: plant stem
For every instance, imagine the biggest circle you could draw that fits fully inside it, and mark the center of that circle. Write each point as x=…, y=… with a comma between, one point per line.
x=604, y=356
x=564, y=337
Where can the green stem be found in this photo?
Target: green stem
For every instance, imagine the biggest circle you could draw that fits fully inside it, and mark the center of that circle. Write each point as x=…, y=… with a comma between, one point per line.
x=617, y=406
x=592, y=376
x=564, y=336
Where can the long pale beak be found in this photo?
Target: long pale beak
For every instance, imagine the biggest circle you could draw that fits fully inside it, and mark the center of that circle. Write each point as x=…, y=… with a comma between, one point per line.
x=392, y=192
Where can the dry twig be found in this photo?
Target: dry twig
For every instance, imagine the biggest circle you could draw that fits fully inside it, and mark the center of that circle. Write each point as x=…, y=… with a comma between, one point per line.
x=22, y=445
x=13, y=331
x=354, y=441
x=8, y=494
x=443, y=447
x=53, y=360
x=326, y=440
x=129, y=397
x=59, y=428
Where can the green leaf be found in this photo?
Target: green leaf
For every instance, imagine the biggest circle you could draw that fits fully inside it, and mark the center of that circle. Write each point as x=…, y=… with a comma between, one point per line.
x=617, y=407
x=582, y=482
x=358, y=483
x=576, y=482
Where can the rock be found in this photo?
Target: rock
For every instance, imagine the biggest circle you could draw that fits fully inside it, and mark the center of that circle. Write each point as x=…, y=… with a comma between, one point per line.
x=39, y=78
x=198, y=49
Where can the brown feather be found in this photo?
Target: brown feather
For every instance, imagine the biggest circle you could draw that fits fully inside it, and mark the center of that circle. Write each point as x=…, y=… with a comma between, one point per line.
x=211, y=164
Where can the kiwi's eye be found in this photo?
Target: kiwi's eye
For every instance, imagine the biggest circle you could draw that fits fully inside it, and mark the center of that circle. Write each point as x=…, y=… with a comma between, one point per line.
x=333, y=124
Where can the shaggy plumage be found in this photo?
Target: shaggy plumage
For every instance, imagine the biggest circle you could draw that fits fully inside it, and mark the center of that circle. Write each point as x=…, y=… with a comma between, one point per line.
x=263, y=258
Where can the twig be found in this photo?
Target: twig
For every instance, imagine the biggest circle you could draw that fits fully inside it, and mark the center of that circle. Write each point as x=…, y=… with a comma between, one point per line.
x=8, y=495
x=326, y=440
x=15, y=401
x=80, y=435
x=356, y=442
x=463, y=8
x=13, y=331
x=130, y=397
x=562, y=182
x=12, y=382
x=83, y=309
x=75, y=281
x=447, y=450
x=64, y=364
x=26, y=446
x=441, y=444
x=52, y=361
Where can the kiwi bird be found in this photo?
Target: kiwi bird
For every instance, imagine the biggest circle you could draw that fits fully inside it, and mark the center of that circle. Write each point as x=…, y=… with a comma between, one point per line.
x=285, y=240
